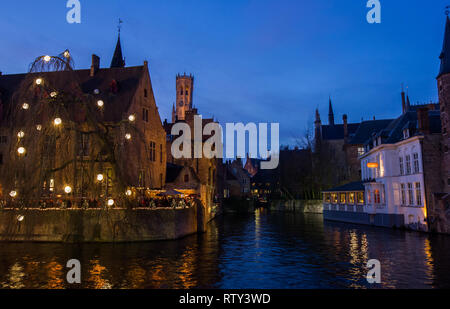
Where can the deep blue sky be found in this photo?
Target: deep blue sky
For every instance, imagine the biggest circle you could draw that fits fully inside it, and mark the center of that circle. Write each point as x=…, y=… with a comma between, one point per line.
x=254, y=60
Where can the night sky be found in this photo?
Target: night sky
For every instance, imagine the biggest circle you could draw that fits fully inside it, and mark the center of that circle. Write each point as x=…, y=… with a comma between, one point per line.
x=259, y=60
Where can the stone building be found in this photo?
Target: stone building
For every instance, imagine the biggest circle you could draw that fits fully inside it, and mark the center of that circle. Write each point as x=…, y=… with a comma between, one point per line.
x=113, y=127
x=184, y=112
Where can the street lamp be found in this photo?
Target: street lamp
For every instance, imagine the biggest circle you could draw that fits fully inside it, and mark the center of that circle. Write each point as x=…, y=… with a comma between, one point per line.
x=68, y=189
x=21, y=151
x=57, y=121
x=100, y=177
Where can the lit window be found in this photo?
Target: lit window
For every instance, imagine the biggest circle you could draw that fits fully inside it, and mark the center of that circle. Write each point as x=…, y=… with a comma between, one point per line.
x=342, y=198
x=408, y=165
x=410, y=194
x=360, y=151
x=377, y=197
x=418, y=194
x=360, y=197
x=403, y=193
x=351, y=198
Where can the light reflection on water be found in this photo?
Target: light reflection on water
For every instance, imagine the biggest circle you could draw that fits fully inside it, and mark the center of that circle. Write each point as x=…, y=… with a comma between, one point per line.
x=262, y=250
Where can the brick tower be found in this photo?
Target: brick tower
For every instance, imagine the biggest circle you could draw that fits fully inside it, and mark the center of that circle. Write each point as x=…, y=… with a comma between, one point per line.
x=185, y=89
x=443, y=81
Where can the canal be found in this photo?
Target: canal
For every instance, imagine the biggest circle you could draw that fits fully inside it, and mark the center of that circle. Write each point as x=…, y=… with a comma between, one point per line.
x=261, y=250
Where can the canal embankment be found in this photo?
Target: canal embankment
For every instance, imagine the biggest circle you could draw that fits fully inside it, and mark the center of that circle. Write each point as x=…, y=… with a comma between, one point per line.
x=301, y=206
x=101, y=225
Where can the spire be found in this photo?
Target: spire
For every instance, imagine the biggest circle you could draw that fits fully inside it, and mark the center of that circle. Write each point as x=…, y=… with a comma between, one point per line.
x=403, y=101
x=445, y=54
x=317, y=116
x=117, y=60
x=331, y=114
x=408, y=104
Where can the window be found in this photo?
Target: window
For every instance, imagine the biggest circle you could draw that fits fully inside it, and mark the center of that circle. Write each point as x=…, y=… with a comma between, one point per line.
x=377, y=197
x=187, y=91
x=145, y=93
x=402, y=170
x=3, y=139
x=327, y=198
x=408, y=165
x=403, y=193
x=109, y=180
x=160, y=154
x=145, y=114
x=418, y=194
x=369, y=196
x=186, y=178
x=152, y=151
x=410, y=194
x=360, y=151
x=1, y=158
x=142, y=179
x=360, y=197
x=342, y=198
x=416, y=163
x=351, y=198
x=334, y=198
x=83, y=144
x=181, y=91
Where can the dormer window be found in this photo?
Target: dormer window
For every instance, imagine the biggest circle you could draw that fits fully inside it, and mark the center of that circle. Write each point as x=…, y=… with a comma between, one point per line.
x=405, y=133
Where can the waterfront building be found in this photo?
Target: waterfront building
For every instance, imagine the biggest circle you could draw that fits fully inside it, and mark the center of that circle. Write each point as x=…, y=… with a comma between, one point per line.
x=80, y=134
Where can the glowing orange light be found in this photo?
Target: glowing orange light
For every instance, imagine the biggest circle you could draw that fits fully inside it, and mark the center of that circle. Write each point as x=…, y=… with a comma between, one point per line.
x=372, y=165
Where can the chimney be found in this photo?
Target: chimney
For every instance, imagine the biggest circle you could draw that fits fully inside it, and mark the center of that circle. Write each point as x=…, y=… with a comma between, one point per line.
x=423, y=120
x=345, y=119
x=1, y=73
x=95, y=65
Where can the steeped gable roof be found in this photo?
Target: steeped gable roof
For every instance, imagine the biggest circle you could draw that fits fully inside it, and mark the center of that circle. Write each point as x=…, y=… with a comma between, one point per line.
x=367, y=128
x=336, y=132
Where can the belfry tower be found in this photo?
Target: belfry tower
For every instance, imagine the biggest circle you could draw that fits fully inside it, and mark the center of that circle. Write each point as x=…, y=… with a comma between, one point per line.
x=185, y=90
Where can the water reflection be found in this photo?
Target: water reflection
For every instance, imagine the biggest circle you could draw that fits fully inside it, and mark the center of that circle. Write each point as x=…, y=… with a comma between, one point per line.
x=264, y=250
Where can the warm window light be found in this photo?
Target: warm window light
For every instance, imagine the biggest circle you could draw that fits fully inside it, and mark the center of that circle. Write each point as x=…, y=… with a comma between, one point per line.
x=13, y=194
x=21, y=150
x=100, y=177
x=110, y=202
x=132, y=118
x=20, y=218
x=25, y=106
x=21, y=134
x=47, y=58
x=372, y=165
x=57, y=121
x=128, y=136
x=100, y=103
x=68, y=189
x=38, y=81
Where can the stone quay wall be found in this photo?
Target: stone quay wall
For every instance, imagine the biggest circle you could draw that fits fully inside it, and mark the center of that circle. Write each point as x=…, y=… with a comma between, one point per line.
x=98, y=225
x=305, y=206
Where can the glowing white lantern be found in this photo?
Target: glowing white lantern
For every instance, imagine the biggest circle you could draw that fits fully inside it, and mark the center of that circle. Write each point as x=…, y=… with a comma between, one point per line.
x=21, y=150
x=47, y=58
x=96, y=91
x=129, y=193
x=66, y=54
x=57, y=121
x=38, y=81
x=20, y=218
x=68, y=189
x=13, y=194
x=39, y=127
x=100, y=177
x=128, y=136
x=25, y=106
x=132, y=118
x=53, y=94
x=21, y=134
x=100, y=103
x=110, y=202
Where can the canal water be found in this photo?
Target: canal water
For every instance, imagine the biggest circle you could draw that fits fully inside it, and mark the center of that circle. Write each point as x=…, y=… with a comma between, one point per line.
x=261, y=250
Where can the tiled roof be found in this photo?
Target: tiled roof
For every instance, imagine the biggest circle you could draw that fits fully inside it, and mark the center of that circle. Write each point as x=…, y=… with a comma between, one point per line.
x=127, y=80
x=335, y=132
x=350, y=187
x=367, y=128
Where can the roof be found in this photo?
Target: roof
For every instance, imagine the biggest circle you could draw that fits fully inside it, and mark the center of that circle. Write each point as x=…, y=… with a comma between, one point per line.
x=350, y=187
x=445, y=54
x=127, y=80
x=367, y=128
x=336, y=132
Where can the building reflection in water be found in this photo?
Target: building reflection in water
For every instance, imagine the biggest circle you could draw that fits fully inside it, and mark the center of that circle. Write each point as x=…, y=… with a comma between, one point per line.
x=264, y=250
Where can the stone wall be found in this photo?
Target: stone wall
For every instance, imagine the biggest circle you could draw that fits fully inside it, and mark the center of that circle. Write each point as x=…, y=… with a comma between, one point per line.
x=117, y=225
x=306, y=206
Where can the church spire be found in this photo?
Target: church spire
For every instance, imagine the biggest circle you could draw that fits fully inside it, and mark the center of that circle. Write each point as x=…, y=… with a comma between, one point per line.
x=117, y=60
x=331, y=114
x=445, y=54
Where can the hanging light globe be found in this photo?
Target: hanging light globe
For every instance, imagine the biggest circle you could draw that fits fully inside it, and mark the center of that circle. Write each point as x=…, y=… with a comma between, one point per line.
x=132, y=118
x=100, y=177
x=13, y=194
x=21, y=134
x=110, y=202
x=128, y=136
x=57, y=121
x=68, y=189
x=21, y=150
x=25, y=106
x=38, y=81
x=47, y=58
x=100, y=103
